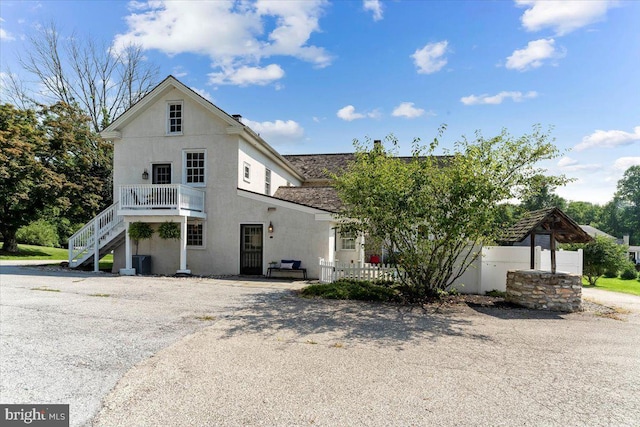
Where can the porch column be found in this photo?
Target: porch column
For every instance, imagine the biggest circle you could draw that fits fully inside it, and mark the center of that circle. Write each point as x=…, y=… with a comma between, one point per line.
x=183, y=246
x=96, y=246
x=128, y=270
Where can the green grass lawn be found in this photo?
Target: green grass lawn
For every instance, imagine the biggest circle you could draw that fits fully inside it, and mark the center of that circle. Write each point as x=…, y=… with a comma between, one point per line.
x=30, y=252
x=616, y=285
x=43, y=253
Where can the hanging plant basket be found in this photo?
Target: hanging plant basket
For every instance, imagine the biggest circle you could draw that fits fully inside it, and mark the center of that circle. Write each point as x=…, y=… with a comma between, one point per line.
x=140, y=231
x=169, y=230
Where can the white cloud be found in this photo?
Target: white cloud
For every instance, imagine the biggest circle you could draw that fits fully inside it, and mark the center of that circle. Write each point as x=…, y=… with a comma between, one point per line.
x=567, y=164
x=430, y=58
x=624, y=163
x=203, y=93
x=374, y=6
x=5, y=35
x=562, y=16
x=236, y=35
x=609, y=139
x=277, y=131
x=407, y=109
x=497, y=99
x=245, y=76
x=348, y=113
x=534, y=55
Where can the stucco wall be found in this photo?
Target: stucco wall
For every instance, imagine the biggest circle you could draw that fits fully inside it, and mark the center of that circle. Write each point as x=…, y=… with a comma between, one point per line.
x=144, y=142
x=297, y=235
x=259, y=163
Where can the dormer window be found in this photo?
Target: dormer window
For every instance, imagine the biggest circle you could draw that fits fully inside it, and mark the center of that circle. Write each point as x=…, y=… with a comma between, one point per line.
x=174, y=118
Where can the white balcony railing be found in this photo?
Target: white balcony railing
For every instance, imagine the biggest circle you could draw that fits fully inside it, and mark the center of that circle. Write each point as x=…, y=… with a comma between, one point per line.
x=161, y=196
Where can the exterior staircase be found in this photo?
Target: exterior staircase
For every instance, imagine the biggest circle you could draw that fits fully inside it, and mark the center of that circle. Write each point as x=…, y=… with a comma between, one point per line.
x=99, y=236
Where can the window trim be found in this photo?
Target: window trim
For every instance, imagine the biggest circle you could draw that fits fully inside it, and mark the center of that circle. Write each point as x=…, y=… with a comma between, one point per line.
x=267, y=181
x=168, y=118
x=346, y=237
x=204, y=235
x=246, y=172
x=184, y=167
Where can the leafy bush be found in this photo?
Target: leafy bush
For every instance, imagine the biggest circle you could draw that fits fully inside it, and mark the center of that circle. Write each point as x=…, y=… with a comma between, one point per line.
x=610, y=274
x=40, y=233
x=169, y=230
x=140, y=231
x=629, y=272
x=348, y=289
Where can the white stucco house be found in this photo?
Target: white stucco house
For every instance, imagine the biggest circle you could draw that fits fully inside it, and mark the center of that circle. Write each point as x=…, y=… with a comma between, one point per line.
x=239, y=203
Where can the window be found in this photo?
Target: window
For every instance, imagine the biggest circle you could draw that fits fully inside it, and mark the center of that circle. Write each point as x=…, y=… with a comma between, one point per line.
x=161, y=173
x=174, y=123
x=246, y=172
x=195, y=236
x=194, y=168
x=267, y=182
x=348, y=241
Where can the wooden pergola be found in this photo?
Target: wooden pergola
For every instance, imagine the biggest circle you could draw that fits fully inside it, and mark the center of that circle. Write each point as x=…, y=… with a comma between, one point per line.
x=550, y=221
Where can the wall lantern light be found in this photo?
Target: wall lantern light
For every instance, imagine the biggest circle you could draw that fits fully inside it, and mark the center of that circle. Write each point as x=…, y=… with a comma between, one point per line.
x=270, y=228
x=145, y=174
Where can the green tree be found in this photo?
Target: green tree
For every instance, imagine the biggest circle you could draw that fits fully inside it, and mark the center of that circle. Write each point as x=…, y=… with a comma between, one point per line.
x=583, y=212
x=51, y=165
x=543, y=197
x=600, y=255
x=27, y=182
x=78, y=154
x=435, y=212
x=629, y=192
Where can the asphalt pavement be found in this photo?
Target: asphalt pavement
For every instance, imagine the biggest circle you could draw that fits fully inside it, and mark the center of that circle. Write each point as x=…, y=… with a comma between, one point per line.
x=148, y=351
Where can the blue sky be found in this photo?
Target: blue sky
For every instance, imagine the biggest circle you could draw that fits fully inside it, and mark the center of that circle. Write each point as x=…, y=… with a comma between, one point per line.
x=311, y=76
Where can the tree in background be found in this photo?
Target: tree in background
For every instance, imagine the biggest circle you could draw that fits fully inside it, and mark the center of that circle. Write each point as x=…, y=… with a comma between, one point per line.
x=600, y=255
x=27, y=183
x=544, y=197
x=51, y=164
x=584, y=212
x=80, y=71
x=432, y=212
x=629, y=193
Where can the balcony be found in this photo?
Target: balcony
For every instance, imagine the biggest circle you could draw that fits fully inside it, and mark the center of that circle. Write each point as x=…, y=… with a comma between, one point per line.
x=161, y=199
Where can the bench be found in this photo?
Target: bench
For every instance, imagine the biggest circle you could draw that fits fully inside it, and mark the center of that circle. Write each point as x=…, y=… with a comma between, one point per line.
x=291, y=267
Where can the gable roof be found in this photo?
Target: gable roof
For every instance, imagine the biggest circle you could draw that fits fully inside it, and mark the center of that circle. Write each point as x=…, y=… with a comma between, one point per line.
x=593, y=232
x=162, y=88
x=545, y=221
x=325, y=198
x=235, y=127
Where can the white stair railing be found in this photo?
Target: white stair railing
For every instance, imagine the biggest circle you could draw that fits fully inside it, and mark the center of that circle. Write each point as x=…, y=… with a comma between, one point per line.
x=83, y=243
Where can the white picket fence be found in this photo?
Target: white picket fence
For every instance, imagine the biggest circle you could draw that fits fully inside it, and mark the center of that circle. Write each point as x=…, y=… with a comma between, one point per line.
x=488, y=272
x=330, y=271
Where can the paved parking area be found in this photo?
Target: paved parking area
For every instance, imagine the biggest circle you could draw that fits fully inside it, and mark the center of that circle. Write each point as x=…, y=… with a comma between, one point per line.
x=197, y=352
x=68, y=337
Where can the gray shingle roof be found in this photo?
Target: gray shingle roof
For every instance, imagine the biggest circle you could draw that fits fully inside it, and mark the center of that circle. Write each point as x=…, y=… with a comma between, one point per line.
x=325, y=198
x=315, y=166
x=542, y=221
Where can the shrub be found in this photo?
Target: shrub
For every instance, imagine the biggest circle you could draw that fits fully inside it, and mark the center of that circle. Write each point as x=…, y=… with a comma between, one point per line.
x=140, y=231
x=629, y=272
x=610, y=274
x=40, y=233
x=169, y=230
x=348, y=289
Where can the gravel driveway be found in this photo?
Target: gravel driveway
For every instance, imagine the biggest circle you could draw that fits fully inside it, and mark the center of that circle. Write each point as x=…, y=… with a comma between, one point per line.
x=68, y=337
x=261, y=356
